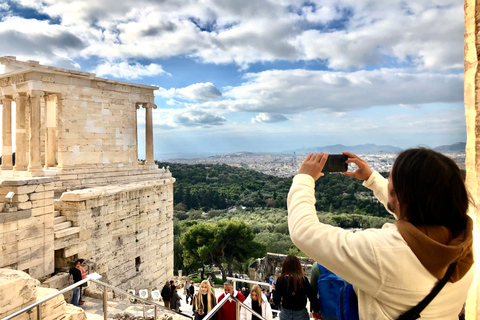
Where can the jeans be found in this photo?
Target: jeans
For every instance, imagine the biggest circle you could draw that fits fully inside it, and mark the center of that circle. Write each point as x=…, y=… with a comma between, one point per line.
x=76, y=296
x=286, y=314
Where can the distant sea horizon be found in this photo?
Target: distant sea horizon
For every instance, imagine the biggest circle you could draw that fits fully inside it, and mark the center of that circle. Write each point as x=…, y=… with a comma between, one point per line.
x=364, y=148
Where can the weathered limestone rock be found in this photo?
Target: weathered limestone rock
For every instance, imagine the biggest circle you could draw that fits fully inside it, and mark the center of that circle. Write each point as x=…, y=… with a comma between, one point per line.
x=472, y=113
x=58, y=281
x=17, y=291
x=74, y=313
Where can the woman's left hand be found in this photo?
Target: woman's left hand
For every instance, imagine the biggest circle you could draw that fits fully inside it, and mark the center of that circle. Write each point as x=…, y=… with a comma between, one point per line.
x=313, y=165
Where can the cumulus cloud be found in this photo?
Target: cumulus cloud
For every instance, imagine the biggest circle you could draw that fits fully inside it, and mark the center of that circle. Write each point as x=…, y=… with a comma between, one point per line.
x=190, y=117
x=199, y=92
x=38, y=40
x=269, y=118
x=344, y=34
x=295, y=91
x=124, y=70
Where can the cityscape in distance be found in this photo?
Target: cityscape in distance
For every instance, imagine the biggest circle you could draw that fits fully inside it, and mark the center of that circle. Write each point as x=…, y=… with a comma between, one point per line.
x=286, y=164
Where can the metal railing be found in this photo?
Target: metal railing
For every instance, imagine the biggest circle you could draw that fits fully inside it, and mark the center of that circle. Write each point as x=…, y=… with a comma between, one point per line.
x=93, y=278
x=234, y=280
x=239, y=303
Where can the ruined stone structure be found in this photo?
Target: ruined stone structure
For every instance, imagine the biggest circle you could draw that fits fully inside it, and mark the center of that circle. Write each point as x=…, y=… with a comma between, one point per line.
x=271, y=265
x=79, y=189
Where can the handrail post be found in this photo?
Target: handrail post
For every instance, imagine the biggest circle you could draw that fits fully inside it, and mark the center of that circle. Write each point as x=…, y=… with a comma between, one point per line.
x=156, y=316
x=238, y=310
x=105, y=303
x=144, y=313
x=39, y=312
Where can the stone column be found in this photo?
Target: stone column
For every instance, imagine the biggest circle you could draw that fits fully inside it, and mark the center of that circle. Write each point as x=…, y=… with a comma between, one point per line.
x=6, y=133
x=149, y=133
x=34, y=166
x=472, y=161
x=50, y=128
x=21, y=142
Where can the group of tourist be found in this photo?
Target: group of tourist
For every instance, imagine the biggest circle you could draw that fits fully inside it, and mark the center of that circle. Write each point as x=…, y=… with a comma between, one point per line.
x=77, y=273
x=431, y=237
x=170, y=295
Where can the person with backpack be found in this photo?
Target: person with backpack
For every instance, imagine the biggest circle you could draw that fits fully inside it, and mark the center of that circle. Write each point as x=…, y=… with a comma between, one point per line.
x=394, y=269
x=336, y=297
x=292, y=289
x=75, y=276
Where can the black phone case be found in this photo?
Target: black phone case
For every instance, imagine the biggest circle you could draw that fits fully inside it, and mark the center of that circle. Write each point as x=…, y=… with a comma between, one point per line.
x=336, y=163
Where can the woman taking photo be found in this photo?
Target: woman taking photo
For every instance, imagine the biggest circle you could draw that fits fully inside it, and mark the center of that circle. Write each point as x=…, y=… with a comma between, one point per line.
x=292, y=290
x=259, y=303
x=204, y=301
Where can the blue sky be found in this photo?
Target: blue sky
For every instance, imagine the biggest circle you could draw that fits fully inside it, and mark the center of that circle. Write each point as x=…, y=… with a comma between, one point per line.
x=263, y=75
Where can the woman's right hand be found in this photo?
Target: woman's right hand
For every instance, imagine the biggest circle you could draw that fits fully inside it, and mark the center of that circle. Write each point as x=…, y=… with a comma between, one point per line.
x=363, y=171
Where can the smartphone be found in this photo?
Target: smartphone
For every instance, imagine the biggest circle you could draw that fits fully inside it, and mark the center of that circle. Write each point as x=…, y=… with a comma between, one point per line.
x=336, y=163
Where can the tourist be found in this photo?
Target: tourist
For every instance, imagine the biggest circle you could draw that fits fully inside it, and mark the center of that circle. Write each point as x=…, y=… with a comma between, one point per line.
x=292, y=289
x=186, y=291
x=228, y=310
x=192, y=291
x=204, y=301
x=258, y=302
x=76, y=274
x=84, y=276
x=175, y=299
x=394, y=268
x=166, y=294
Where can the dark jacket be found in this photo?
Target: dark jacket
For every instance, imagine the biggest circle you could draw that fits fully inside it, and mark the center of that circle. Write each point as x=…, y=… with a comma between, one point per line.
x=175, y=301
x=294, y=301
x=77, y=274
x=165, y=293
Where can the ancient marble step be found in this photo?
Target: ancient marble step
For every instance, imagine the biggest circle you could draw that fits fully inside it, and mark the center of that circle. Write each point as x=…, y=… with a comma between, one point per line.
x=59, y=219
x=56, y=213
x=62, y=225
x=66, y=232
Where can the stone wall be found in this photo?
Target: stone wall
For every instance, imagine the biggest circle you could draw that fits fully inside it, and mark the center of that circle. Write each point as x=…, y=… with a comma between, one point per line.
x=27, y=230
x=271, y=265
x=472, y=161
x=18, y=290
x=127, y=230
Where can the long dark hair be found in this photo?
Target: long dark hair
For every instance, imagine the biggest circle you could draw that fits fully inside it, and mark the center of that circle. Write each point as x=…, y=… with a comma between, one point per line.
x=430, y=189
x=292, y=271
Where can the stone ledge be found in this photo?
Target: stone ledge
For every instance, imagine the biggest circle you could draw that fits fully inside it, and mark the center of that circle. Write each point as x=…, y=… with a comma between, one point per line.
x=87, y=194
x=25, y=181
x=14, y=216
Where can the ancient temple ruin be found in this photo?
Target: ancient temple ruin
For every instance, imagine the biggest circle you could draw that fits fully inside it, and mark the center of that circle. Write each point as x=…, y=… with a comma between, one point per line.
x=76, y=188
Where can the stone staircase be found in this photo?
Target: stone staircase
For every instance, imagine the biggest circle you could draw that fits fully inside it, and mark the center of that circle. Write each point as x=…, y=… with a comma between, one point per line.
x=66, y=236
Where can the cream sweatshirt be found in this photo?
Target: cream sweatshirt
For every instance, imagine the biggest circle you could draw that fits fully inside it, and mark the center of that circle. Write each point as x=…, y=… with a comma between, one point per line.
x=387, y=276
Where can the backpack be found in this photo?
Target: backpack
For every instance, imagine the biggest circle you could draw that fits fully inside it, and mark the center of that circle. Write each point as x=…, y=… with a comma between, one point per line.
x=336, y=297
x=70, y=279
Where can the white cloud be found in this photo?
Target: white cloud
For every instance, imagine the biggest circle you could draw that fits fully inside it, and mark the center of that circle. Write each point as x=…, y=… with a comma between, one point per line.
x=269, y=118
x=295, y=91
x=199, y=92
x=193, y=117
x=345, y=34
x=124, y=70
x=30, y=39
